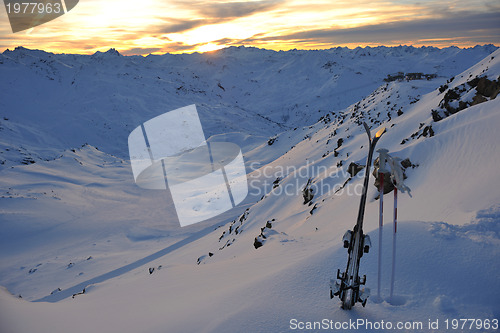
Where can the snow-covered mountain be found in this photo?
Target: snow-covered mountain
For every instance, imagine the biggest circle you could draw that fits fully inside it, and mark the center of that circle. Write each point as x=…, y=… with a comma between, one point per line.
x=54, y=102
x=73, y=221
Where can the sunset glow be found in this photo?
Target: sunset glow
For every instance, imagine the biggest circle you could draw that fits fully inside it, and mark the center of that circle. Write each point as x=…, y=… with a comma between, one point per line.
x=154, y=26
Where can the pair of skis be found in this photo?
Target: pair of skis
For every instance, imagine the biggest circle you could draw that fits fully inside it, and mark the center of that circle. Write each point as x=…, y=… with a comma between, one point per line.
x=348, y=283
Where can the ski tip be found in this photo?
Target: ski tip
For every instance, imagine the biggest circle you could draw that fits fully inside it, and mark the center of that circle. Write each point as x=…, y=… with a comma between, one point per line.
x=367, y=128
x=380, y=132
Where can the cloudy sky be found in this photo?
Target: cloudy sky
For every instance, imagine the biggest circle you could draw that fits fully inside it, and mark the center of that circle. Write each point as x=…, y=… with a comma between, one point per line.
x=160, y=26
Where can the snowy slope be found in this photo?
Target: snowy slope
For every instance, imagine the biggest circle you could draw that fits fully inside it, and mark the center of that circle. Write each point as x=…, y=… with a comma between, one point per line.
x=78, y=221
x=53, y=102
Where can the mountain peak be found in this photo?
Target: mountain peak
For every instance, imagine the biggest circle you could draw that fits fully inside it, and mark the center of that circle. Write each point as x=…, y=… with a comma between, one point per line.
x=110, y=52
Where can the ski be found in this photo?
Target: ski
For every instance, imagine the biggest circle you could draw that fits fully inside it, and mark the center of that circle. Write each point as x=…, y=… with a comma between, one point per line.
x=347, y=285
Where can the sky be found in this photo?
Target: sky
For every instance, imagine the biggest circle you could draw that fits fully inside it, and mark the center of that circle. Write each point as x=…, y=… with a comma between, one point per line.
x=159, y=26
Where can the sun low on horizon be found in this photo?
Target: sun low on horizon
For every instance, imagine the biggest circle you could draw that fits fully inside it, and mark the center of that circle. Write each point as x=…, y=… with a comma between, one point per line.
x=158, y=27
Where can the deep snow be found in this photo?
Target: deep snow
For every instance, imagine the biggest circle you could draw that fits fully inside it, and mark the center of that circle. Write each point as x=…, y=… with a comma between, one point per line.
x=74, y=218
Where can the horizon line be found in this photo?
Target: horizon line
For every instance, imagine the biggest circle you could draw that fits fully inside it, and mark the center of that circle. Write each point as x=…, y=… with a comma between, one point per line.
x=124, y=53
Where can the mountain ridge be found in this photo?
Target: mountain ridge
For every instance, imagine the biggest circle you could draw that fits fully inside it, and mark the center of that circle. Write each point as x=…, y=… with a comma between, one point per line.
x=67, y=220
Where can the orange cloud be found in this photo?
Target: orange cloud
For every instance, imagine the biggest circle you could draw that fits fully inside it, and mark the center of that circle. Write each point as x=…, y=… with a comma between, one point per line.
x=155, y=26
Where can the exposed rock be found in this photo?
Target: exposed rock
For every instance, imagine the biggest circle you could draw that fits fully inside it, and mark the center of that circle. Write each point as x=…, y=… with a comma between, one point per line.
x=388, y=185
x=313, y=209
x=478, y=99
x=427, y=132
x=307, y=193
x=339, y=142
x=453, y=101
x=354, y=168
x=485, y=87
x=257, y=243
x=271, y=141
x=55, y=291
x=436, y=116
x=80, y=293
x=406, y=163
x=276, y=182
x=264, y=233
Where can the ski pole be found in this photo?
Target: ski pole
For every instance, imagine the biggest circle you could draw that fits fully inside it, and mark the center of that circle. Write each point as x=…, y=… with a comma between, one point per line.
x=380, y=228
x=383, y=155
x=394, y=239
